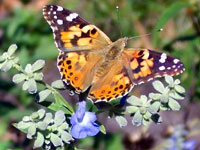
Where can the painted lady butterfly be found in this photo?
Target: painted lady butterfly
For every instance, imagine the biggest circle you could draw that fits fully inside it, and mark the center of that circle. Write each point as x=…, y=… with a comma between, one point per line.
x=89, y=60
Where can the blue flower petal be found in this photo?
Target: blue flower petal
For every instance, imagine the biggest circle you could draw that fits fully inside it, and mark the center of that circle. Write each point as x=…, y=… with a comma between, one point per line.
x=76, y=132
x=73, y=119
x=83, y=123
x=81, y=110
x=189, y=145
x=93, y=129
x=92, y=117
x=123, y=100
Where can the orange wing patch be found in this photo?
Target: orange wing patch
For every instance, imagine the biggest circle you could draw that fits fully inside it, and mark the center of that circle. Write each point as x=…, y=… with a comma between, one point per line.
x=84, y=37
x=77, y=68
x=114, y=84
x=140, y=61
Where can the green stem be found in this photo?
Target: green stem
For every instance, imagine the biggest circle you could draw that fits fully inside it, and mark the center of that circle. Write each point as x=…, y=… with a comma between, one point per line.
x=19, y=68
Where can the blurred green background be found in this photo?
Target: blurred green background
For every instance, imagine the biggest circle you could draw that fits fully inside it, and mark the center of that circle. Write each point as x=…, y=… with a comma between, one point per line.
x=22, y=23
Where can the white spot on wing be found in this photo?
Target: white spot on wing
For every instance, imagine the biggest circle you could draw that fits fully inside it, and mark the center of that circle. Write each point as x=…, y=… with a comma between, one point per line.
x=150, y=79
x=71, y=16
x=162, y=68
x=163, y=57
x=59, y=8
x=168, y=68
x=141, y=82
x=174, y=66
x=60, y=22
x=55, y=17
x=175, y=61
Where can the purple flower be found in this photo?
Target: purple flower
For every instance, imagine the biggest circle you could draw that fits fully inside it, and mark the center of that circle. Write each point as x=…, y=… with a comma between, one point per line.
x=83, y=123
x=189, y=145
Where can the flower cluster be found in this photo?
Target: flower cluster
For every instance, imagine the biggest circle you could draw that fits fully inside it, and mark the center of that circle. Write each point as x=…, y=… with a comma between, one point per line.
x=7, y=60
x=46, y=129
x=29, y=76
x=177, y=140
x=145, y=109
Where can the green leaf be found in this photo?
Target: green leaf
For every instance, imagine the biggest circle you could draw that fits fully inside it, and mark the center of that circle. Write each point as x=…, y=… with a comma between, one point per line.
x=137, y=119
x=155, y=106
x=61, y=101
x=66, y=137
x=41, y=113
x=102, y=129
x=39, y=140
x=48, y=118
x=56, y=107
x=177, y=81
x=56, y=140
x=59, y=118
x=26, y=118
x=39, y=64
x=168, y=14
x=15, y=60
x=169, y=80
x=158, y=86
x=12, y=49
x=176, y=95
x=18, y=78
x=64, y=126
x=155, y=96
x=34, y=115
x=38, y=76
x=42, y=125
x=32, y=86
x=28, y=69
x=58, y=84
x=179, y=89
x=121, y=121
x=6, y=66
x=131, y=109
x=43, y=95
x=174, y=105
x=147, y=115
x=164, y=98
x=135, y=101
x=25, y=86
x=143, y=110
x=2, y=58
x=24, y=125
x=31, y=131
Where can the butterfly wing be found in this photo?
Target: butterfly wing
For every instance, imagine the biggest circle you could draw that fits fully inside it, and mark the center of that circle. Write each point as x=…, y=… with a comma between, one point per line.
x=112, y=84
x=76, y=39
x=77, y=69
x=71, y=32
x=144, y=65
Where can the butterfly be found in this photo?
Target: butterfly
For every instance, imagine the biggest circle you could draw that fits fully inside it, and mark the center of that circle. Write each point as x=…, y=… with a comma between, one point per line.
x=89, y=61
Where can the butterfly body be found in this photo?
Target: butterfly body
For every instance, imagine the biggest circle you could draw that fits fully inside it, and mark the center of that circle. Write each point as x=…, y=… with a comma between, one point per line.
x=88, y=59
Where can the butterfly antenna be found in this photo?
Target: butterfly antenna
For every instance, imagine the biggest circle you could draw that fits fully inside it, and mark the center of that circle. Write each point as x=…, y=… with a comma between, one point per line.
x=118, y=20
x=160, y=30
